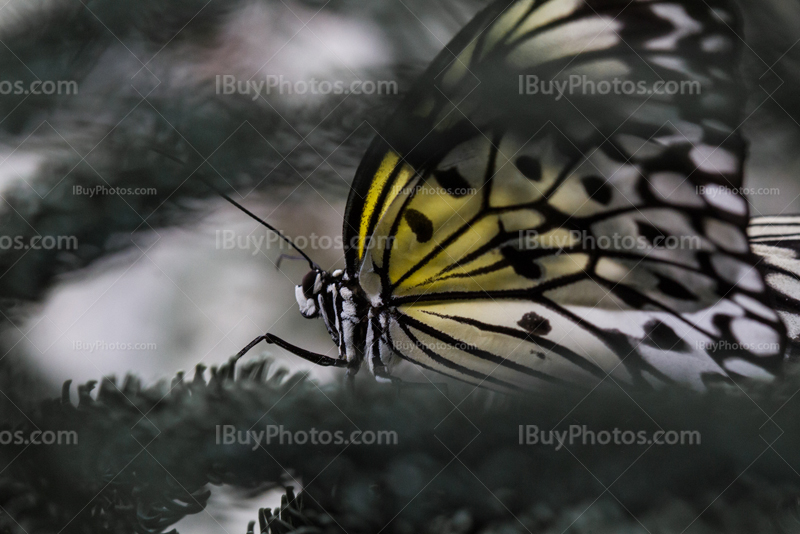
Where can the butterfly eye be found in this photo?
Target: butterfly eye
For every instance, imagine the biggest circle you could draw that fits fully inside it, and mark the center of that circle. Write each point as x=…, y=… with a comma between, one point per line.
x=309, y=281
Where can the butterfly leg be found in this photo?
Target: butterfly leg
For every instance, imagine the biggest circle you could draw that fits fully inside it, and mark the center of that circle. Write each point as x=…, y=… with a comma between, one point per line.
x=313, y=357
x=350, y=381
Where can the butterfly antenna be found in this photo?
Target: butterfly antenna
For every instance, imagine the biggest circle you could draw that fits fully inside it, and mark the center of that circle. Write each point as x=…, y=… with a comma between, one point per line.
x=246, y=211
x=270, y=227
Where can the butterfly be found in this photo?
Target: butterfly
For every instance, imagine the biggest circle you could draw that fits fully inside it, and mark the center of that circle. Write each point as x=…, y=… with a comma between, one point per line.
x=556, y=203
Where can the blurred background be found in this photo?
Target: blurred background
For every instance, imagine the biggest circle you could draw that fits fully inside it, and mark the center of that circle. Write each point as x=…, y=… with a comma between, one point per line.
x=158, y=282
x=166, y=275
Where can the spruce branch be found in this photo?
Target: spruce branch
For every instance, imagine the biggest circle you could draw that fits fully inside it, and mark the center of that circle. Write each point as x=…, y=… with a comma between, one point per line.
x=147, y=457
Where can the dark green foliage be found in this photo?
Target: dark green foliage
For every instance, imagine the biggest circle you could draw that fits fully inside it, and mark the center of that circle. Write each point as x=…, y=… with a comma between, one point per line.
x=146, y=458
x=293, y=516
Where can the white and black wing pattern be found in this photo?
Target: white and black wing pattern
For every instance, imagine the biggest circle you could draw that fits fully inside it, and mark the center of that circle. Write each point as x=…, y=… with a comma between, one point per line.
x=521, y=239
x=776, y=240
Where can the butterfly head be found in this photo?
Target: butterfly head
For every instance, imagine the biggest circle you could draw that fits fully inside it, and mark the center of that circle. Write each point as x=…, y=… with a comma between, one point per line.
x=308, y=291
x=315, y=283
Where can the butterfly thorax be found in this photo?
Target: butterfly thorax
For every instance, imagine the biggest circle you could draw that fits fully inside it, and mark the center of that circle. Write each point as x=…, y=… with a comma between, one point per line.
x=343, y=307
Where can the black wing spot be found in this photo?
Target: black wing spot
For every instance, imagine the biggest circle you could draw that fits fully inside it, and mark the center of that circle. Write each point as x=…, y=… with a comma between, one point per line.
x=530, y=168
x=420, y=224
x=653, y=235
x=663, y=337
x=452, y=182
x=535, y=324
x=522, y=264
x=598, y=189
x=674, y=289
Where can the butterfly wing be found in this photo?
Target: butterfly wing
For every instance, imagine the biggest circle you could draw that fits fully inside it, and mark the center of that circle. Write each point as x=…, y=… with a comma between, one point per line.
x=518, y=239
x=776, y=240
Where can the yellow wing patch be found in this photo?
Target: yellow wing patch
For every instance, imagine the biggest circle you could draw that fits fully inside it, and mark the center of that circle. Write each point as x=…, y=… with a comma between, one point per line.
x=386, y=177
x=454, y=231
